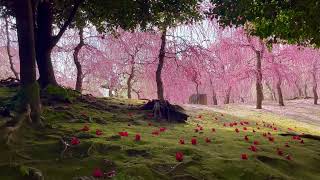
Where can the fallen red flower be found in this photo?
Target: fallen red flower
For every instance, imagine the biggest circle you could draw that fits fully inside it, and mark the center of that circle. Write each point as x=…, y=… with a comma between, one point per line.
x=271, y=139
x=224, y=124
x=208, y=140
x=97, y=173
x=256, y=142
x=200, y=116
x=244, y=156
x=237, y=130
x=163, y=129
x=75, y=141
x=138, y=137
x=194, y=141
x=98, y=132
x=156, y=133
x=244, y=128
x=246, y=138
x=179, y=156
x=181, y=141
x=253, y=148
x=85, y=128
x=288, y=157
x=280, y=153
x=124, y=134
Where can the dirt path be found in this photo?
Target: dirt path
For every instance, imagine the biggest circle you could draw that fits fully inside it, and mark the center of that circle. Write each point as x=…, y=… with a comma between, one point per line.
x=299, y=110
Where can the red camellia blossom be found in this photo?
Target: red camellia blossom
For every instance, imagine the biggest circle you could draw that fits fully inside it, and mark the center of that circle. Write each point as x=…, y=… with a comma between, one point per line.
x=138, y=137
x=181, y=141
x=256, y=142
x=237, y=130
x=253, y=148
x=97, y=173
x=231, y=124
x=244, y=156
x=246, y=138
x=124, y=134
x=275, y=129
x=241, y=123
x=85, y=128
x=156, y=133
x=194, y=141
x=280, y=153
x=179, y=156
x=75, y=141
x=163, y=129
x=288, y=157
x=208, y=140
x=98, y=132
x=271, y=139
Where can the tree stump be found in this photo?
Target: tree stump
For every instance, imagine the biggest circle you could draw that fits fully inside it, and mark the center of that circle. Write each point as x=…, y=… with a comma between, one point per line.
x=163, y=110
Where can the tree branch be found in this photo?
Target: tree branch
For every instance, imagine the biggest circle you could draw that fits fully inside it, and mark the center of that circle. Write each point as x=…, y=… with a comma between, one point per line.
x=64, y=27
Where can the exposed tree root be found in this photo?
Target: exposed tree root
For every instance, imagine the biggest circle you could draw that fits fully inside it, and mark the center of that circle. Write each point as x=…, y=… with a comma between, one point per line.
x=308, y=136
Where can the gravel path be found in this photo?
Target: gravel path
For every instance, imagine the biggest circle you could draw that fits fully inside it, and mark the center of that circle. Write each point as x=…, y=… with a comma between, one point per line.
x=300, y=110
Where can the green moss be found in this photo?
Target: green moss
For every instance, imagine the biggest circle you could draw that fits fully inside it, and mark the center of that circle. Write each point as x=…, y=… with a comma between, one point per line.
x=154, y=156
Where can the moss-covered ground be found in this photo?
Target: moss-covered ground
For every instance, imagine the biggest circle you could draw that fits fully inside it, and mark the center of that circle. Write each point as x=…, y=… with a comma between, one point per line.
x=154, y=157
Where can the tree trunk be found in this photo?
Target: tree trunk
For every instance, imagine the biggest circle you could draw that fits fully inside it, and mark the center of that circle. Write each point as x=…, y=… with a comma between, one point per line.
x=29, y=86
x=131, y=76
x=305, y=91
x=259, y=81
x=272, y=93
x=162, y=54
x=228, y=95
x=9, y=49
x=214, y=95
x=299, y=89
x=280, y=96
x=315, y=88
x=77, y=62
x=44, y=44
x=197, y=91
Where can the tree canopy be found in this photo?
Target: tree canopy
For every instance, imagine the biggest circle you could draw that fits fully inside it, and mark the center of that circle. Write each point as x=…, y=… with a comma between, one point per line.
x=294, y=21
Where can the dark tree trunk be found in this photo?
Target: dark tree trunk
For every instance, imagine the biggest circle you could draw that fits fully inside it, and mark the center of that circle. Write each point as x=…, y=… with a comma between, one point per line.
x=131, y=76
x=214, y=95
x=280, y=96
x=315, y=88
x=259, y=88
x=44, y=44
x=228, y=95
x=305, y=91
x=162, y=54
x=9, y=49
x=197, y=91
x=29, y=86
x=299, y=89
x=77, y=62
